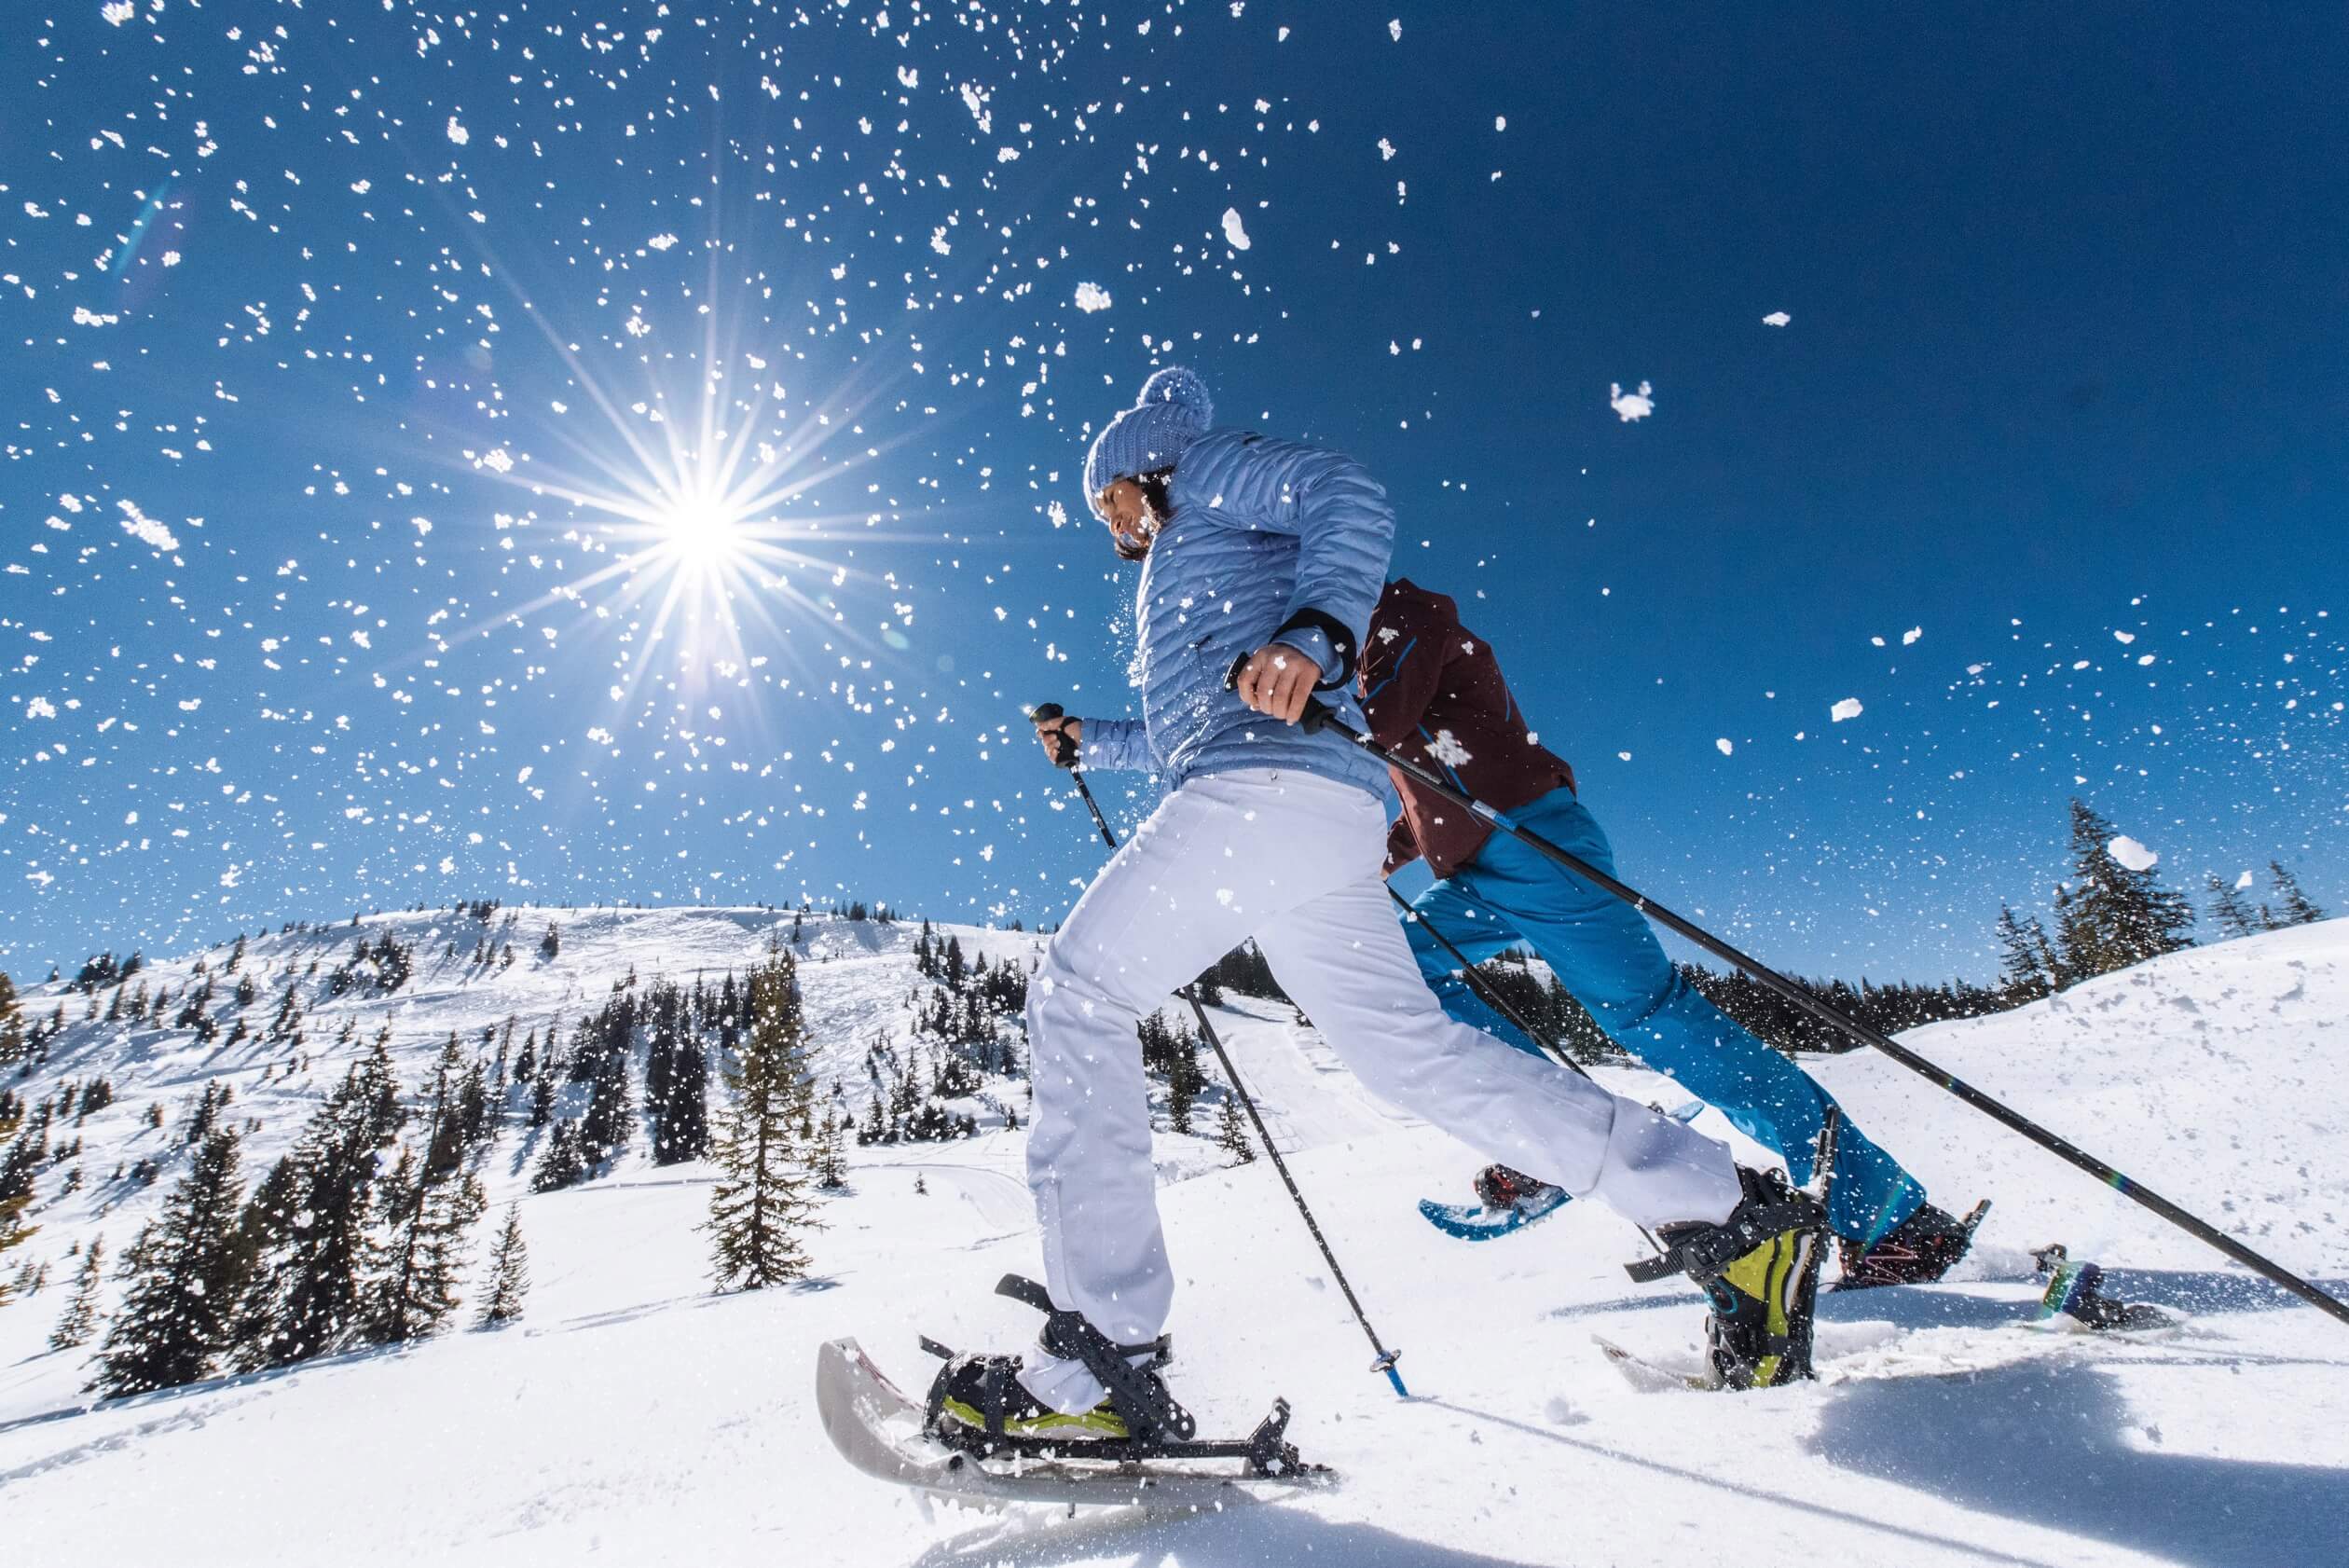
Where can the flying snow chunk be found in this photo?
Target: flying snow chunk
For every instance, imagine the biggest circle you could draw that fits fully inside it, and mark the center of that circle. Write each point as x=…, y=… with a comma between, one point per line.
x=457, y=132
x=938, y=240
x=1911, y=635
x=1394, y=30
x=2131, y=854
x=1091, y=297
x=2242, y=882
x=117, y=11
x=1723, y=746
x=661, y=242
x=1848, y=709
x=145, y=529
x=1235, y=234
x=2124, y=637
x=41, y=707
x=1777, y=317
x=1631, y=406
x=1446, y=749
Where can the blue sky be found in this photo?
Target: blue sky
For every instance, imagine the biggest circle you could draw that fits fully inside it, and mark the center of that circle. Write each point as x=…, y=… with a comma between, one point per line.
x=365, y=361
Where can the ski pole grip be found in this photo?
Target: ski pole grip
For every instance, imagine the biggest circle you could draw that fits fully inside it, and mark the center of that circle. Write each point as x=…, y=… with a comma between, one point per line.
x=1064, y=748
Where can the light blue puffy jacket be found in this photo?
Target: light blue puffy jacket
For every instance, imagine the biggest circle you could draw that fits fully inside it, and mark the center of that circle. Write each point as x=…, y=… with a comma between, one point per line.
x=1258, y=531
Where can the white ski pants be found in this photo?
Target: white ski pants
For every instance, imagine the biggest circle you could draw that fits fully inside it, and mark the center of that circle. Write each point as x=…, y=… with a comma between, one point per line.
x=1292, y=859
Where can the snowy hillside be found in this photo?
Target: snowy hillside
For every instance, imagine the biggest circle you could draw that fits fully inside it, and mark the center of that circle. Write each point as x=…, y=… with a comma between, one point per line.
x=632, y=1415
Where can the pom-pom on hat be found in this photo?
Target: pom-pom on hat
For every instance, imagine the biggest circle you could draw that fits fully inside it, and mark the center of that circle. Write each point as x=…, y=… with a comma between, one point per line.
x=1172, y=411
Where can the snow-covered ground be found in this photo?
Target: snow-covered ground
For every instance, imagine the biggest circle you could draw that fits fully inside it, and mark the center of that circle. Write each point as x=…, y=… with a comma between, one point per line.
x=634, y=1416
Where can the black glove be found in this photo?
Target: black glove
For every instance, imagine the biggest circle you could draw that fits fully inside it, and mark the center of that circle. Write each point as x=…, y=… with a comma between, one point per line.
x=1065, y=748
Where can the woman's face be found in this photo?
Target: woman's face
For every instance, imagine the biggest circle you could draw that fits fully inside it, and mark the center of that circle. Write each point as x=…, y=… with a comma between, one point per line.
x=1126, y=507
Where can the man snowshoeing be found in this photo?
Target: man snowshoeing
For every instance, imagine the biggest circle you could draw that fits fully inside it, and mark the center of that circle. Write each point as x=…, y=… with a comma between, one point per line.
x=1275, y=552
x=1432, y=689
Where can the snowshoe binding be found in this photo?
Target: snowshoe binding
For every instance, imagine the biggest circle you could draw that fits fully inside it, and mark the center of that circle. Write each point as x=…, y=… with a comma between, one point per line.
x=1759, y=1271
x=978, y=1406
x=1922, y=1248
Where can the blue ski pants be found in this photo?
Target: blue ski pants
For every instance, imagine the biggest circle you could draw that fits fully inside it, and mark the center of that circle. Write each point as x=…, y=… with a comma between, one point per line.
x=1604, y=952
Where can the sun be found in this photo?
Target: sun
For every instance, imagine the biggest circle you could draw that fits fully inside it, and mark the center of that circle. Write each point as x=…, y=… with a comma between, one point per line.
x=701, y=533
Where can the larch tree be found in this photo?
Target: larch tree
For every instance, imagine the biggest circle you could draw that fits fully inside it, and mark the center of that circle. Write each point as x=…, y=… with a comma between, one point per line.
x=17, y=1196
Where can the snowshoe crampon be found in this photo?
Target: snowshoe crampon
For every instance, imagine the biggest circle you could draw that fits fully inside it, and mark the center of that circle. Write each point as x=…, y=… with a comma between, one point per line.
x=1138, y=1449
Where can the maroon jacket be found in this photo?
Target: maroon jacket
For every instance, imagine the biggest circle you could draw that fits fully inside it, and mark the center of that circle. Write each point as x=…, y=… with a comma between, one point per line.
x=1431, y=690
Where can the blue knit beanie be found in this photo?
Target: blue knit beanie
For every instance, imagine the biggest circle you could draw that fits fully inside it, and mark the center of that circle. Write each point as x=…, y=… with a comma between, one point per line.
x=1172, y=411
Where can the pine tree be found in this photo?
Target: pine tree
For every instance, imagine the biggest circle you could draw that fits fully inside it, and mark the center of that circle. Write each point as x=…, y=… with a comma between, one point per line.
x=308, y=1297
x=2020, y=967
x=1232, y=1133
x=2113, y=917
x=761, y=1204
x=78, y=1324
x=1184, y=1080
x=2228, y=912
x=660, y=1079
x=551, y=944
x=418, y=1263
x=561, y=1165
x=175, y=1321
x=831, y=1172
x=2297, y=909
x=509, y=1274
x=683, y=1131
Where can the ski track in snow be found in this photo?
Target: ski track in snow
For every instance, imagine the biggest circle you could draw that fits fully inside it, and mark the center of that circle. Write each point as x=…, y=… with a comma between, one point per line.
x=633, y=1416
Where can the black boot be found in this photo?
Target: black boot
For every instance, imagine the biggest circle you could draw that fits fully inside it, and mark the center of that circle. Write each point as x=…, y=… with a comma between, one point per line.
x=1499, y=1187
x=1917, y=1251
x=977, y=1399
x=1759, y=1269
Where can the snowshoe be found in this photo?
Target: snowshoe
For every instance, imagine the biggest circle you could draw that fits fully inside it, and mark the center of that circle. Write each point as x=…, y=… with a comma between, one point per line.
x=2075, y=1289
x=880, y=1432
x=977, y=1405
x=1508, y=1200
x=1759, y=1271
x=1922, y=1248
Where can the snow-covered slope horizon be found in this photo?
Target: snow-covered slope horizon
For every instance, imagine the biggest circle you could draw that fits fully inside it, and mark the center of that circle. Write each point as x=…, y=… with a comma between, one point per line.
x=634, y=1414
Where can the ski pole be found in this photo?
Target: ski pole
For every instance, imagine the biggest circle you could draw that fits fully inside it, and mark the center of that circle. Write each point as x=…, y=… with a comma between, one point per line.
x=1317, y=716
x=1484, y=990
x=1386, y=1358
x=1493, y=999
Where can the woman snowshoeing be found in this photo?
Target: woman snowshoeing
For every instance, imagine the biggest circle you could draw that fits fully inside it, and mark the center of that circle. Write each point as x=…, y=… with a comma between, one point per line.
x=1277, y=551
